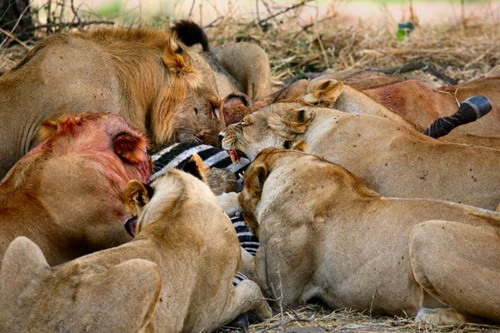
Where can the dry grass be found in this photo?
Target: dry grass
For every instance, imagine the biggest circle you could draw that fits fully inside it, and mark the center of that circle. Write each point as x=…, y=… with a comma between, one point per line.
x=462, y=51
x=9, y=57
x=314, y=318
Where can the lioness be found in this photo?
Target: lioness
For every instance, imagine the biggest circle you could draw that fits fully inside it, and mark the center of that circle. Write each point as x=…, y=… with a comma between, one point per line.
x=324, y=234
x=175, y=276
x=326, y=91
x=66, y=194
x=389, y=158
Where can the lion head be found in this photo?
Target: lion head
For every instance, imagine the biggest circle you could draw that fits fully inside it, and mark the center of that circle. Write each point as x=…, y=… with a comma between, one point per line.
x=277, y=125
x=340, y=182
x=70, y=186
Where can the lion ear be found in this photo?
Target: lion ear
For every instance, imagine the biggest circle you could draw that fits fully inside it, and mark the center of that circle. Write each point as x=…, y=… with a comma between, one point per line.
x=130, y=148
x=299, y=145
x=196, y=167
x=255, y=178
x=235, y=107
x=294, y=122
x=46, y=129
x=137, y=195
x=49, y=127
x=328, y=90
x=178, y=62
x=293, y=92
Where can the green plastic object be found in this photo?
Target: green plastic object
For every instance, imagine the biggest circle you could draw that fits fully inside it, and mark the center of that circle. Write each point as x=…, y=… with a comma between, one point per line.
x=404, y=30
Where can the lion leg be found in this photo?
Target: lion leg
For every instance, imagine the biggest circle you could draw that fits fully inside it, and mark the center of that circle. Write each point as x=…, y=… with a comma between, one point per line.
x=247, y=297
x=441, y=316
x=248, y=63
x=459, y=264
x=248, y=263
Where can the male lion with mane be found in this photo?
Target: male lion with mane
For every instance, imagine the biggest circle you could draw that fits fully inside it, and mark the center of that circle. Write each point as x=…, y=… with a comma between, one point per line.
x=141, y=74
x=66, y=194
x=324, y=234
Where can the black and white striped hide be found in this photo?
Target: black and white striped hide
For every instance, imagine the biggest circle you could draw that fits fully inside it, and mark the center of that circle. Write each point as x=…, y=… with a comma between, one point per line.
x=246, y=237
x=177, y=155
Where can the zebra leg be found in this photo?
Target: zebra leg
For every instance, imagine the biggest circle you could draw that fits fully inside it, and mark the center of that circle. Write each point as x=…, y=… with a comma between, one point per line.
x=247, y=297
x=469, y=110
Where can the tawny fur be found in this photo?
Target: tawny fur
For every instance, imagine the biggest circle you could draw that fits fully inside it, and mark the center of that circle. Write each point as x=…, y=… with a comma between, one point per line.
x=326, y=91
x=175, y=276
x=389, y=158
x=66, y=194
x=324, y=234
x=423, y=104
x=142, y=74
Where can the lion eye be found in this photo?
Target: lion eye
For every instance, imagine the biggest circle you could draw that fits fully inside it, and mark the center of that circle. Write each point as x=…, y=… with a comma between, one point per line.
x=179, y=50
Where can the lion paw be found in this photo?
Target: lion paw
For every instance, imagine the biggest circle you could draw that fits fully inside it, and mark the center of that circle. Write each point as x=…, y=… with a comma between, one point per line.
x=442, y=316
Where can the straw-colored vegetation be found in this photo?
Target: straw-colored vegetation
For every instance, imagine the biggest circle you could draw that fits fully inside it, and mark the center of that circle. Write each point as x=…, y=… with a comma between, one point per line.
x=460, y=51
x=317, y=319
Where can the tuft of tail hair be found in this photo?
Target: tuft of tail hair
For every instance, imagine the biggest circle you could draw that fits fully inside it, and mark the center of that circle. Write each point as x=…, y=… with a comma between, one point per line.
x=190, y=34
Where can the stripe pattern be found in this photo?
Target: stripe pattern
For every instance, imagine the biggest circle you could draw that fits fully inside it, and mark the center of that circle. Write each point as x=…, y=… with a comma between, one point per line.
x=238, y=277
x=246, y=237
x=177, y=155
